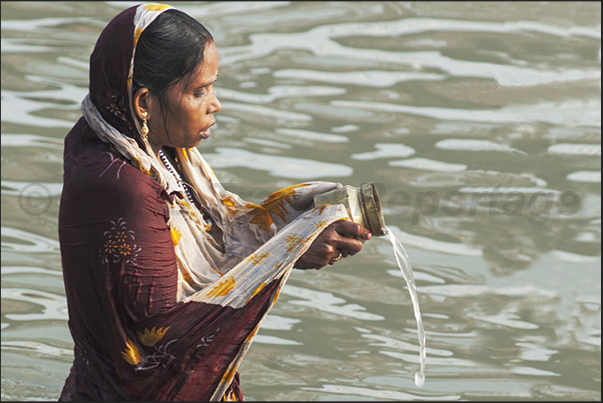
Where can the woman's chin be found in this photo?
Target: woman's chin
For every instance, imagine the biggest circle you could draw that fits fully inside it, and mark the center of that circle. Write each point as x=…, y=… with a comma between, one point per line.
x=197, y=140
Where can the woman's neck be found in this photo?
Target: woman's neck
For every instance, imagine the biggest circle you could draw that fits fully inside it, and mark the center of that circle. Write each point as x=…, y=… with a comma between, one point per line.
x=155, y=147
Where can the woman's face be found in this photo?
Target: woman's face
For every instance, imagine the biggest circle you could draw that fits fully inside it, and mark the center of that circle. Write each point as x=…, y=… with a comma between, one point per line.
x=191, y=105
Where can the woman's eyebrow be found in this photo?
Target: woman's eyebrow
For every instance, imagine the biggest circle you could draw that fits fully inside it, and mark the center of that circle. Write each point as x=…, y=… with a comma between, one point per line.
x=208, y=84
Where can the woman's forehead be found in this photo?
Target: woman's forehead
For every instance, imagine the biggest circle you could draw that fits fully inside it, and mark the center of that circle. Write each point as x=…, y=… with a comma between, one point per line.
x=207, y=72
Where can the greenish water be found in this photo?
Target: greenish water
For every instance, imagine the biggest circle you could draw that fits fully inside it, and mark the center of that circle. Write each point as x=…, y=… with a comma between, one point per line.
x=480, y=122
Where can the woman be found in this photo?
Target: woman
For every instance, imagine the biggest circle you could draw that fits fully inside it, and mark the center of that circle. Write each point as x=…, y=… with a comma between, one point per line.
x=167, y=274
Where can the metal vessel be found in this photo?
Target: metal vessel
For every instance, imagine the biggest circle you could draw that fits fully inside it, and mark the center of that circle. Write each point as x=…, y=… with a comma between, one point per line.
x=362, y=204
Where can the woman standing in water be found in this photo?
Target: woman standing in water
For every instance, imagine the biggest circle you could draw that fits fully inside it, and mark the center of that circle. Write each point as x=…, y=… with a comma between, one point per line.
x=167, y=274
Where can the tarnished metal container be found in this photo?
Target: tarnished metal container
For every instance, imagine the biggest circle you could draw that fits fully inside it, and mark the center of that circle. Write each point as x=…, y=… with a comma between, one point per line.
x=362, y=204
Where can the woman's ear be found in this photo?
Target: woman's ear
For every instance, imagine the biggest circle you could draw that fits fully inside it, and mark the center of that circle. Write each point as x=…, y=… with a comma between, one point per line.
x=142, y=101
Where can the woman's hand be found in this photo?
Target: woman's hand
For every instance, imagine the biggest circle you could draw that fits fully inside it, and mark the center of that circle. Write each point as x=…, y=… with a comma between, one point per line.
x=341, y=238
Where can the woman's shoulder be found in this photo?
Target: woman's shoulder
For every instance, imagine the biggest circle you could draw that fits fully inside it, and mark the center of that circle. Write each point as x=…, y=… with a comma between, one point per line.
x=98, y=169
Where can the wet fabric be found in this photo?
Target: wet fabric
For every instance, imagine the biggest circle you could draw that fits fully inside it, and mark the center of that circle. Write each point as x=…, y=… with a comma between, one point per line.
x=164, y=298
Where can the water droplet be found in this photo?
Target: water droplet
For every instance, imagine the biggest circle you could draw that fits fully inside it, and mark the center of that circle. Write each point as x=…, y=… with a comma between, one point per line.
x=419, y=379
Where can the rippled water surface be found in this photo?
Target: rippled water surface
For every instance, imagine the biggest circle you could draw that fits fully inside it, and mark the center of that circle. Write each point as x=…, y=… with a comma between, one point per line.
x=480, y=123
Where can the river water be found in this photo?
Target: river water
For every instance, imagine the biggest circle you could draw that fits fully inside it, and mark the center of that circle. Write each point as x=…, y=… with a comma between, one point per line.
x=480, y=123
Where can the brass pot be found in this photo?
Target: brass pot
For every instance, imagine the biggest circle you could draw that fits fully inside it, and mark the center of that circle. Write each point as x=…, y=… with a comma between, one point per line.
x=362, y=204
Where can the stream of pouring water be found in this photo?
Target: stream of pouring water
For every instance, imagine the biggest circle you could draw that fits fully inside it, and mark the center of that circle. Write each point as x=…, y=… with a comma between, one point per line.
x=406, y=269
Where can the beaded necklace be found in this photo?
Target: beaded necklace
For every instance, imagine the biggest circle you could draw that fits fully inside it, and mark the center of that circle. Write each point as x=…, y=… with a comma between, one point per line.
x=176, y=175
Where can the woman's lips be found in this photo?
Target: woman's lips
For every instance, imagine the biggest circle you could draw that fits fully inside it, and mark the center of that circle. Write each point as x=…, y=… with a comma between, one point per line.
x=205, y=133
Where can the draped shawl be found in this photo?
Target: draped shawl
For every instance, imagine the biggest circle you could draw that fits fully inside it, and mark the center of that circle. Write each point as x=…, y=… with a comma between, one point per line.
x=164, y=299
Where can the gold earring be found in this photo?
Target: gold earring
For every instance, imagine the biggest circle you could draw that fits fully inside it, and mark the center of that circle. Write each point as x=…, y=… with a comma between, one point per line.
x=145, y=128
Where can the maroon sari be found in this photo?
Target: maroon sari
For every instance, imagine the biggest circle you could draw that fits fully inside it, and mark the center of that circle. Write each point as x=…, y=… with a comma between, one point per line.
x=120, y=269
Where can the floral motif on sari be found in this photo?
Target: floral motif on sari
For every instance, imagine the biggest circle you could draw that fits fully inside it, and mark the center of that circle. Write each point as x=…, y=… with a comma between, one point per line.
x=131, y=353
x=148, y=338
x=118, y=245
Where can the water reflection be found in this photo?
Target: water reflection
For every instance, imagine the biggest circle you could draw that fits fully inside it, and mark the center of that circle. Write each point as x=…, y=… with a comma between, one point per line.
x=327, y=302
x=285, y=167
x=569, y=113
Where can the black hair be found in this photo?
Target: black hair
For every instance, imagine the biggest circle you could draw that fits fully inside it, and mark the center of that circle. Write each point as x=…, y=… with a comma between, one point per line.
x=168, y=50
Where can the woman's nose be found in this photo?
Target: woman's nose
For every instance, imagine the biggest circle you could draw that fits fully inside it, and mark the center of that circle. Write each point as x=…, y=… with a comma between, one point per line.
x=216, y=105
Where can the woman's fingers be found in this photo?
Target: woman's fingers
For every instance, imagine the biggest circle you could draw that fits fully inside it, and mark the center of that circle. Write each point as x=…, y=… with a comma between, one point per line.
x=349, y=228
x=318, y=255
x=343, y=238
x=348, y=237
x=350, y=245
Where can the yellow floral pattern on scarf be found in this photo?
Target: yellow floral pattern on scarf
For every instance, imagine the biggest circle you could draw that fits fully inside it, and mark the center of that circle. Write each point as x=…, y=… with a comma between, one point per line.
x=321, y=224
x=176, y=235
x=293, y=241
x=230, y=203
x=222, y=288
x=261, y=218
x=258, y=258
x=275, y=203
